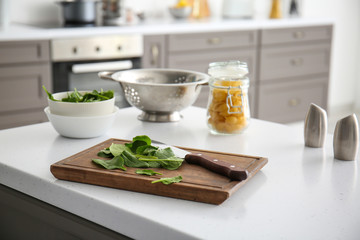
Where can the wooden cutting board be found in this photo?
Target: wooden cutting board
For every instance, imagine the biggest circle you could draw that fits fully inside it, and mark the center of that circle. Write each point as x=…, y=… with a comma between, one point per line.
x=198, y=184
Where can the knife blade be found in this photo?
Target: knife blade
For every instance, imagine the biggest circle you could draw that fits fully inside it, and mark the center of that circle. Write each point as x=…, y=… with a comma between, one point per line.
x=213, y=164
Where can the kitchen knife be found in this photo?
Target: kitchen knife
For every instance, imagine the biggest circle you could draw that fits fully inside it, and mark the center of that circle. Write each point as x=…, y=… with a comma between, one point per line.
x=213, y=164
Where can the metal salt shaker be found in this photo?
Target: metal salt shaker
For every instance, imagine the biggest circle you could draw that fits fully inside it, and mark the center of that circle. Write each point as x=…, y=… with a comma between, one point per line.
x=315, y=127
x=346, y=138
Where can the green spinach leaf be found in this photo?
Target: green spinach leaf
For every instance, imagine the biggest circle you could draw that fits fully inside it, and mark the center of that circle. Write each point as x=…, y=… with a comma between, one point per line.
x=105, y=153
x=139, y=141
x=49, y=94
x=148, y=172
x=168, y=181
x=132, y=161
x=115, y=163
x=117, y=149
x=141, y=154
x=76, y=96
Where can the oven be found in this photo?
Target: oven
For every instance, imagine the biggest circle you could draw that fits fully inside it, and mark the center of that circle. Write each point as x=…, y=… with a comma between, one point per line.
x=77, y=61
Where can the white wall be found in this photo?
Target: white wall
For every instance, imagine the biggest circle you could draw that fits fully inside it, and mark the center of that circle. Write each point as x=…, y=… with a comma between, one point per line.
x=34, y=11
x=345, y=65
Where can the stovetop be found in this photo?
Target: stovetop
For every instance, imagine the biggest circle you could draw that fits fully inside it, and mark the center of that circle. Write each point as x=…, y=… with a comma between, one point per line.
x=71, y=25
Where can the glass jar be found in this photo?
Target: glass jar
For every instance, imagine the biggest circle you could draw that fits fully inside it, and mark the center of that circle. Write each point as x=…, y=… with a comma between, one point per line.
x=228, y=110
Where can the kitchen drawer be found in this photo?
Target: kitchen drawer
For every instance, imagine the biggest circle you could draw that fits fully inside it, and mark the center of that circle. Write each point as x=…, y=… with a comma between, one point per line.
x=295, y=35
x=289, y=101
x=21, y=118
x=211, y=40
x=24, y=52
x=291, y=61
x=21, y=86
x=199, y=61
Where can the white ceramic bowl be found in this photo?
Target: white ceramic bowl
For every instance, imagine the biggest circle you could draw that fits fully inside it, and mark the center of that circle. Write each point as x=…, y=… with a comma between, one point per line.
x=84, y=109
x=181, y=12
x=81, y=127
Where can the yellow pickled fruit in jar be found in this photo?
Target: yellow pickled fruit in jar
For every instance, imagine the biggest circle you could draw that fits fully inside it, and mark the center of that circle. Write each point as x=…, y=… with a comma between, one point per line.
x=218, y=118
x=219, y=95
x=221, y=107
x=226, y=113
x=231, y=120
x=235, y=102
x=220, y=126
x=235, y=92
x=230, y=83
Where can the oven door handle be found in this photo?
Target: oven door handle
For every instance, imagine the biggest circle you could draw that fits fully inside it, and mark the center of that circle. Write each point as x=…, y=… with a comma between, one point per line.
x=102, y=66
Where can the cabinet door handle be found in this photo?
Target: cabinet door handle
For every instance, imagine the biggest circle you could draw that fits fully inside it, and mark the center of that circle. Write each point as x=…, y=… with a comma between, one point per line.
x=214, y=41
x=296, y=61
x=102, y=66
x=74, y=50
x=298, y=35
x=154, y=55
x=294, y=102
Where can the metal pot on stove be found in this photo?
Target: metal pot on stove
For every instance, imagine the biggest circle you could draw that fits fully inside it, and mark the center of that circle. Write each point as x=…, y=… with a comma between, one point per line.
x=79, y=11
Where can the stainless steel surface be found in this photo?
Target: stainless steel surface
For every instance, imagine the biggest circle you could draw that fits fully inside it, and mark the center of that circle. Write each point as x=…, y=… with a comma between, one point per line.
x=160, y=117
x=315, y=127
x=346, y=138
x=97, y=48
x=79, y=11
x=159, y=93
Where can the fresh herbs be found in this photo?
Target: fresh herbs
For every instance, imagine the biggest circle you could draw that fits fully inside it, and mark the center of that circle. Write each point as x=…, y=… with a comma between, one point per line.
x=139, y=154
x=76, y=96
x=168, y=181
x=116, y=162
x=148, y=172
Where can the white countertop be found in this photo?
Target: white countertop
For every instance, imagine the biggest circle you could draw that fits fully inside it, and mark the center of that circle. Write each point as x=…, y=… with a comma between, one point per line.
x=167, y=26
x=302, y=193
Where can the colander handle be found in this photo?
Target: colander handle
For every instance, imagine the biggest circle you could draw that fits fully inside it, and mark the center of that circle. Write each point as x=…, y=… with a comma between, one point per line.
x=106, y=75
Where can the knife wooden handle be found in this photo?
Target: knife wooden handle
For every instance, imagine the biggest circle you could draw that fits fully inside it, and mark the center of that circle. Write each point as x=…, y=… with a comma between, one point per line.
x=218, y=166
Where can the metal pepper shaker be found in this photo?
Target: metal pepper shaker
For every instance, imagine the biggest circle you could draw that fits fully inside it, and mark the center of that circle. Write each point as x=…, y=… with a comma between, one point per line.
x=346, y=138
x=315, y=127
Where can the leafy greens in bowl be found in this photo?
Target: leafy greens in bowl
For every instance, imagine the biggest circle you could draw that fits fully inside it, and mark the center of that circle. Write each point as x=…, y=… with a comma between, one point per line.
x=81, y=103
x=77, y=97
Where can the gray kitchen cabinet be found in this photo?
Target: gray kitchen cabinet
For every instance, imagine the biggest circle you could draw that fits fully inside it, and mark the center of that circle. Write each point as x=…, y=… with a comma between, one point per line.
x=289, y=101
x=24, y=68
x=288, y=36
x=293, y=61
x=196, y=50
x=24, y=52
x=154, y=51
x=289, y=67
x=293, y=72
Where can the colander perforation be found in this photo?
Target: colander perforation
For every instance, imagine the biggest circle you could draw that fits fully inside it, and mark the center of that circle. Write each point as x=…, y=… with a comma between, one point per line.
x=132, y=96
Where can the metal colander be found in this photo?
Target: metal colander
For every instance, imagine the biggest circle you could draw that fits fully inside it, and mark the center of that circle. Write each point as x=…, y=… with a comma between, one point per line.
x=159, y=93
